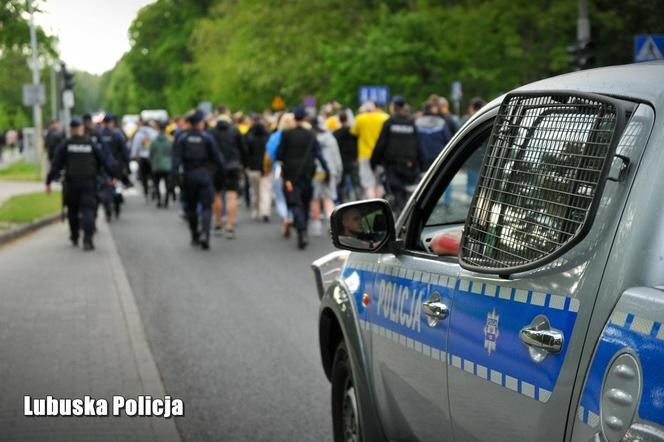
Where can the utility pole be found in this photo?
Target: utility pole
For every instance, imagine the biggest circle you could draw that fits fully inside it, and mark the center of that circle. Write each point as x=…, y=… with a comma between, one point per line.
x=67, y=95
x=583, y=23
x=54, y=92
x=583, y=52
x=36, y=108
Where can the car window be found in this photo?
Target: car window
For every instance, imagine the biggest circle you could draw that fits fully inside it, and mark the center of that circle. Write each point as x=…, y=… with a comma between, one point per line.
x=453, y=205
x=446, y=201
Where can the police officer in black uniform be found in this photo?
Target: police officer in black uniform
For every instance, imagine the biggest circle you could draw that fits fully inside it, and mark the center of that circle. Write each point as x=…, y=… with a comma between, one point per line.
x=298, y=151
x=82, y=160
x=104, y=185
x=115, y=143
x=198, y=154
x=90, y=128
x=398, y=151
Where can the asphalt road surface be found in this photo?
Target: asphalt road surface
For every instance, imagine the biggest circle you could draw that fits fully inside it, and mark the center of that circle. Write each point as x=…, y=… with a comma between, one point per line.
x=233, y=330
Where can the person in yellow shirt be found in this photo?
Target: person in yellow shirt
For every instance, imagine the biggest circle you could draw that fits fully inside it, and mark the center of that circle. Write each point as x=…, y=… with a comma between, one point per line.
x=367, y=127
x=241, y=122
x=327, y=115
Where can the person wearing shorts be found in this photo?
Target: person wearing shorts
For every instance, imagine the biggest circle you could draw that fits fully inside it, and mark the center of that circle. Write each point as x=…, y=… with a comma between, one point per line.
x=367, y=128
x=231, y=144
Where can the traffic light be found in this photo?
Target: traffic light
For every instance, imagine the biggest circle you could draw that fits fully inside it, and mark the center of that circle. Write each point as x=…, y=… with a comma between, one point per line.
x=583, y=54
x=67, y=78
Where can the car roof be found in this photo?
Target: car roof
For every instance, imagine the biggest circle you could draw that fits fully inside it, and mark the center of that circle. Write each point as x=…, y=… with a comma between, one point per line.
x=640, y=81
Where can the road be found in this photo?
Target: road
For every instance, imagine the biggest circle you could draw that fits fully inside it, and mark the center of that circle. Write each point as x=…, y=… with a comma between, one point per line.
x=233, y=330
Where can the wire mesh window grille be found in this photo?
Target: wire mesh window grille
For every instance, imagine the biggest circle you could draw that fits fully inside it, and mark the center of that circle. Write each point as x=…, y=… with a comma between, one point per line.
x=544, y=169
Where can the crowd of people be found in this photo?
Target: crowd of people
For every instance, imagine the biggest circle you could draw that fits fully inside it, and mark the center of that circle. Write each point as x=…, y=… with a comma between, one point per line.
x=298, y=163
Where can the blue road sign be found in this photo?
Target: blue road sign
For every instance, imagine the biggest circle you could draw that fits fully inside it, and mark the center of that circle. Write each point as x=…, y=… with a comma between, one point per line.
x=648, y=48
x=379, y=94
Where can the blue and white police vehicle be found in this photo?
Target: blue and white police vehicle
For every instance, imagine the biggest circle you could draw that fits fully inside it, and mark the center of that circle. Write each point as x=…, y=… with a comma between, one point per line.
x=520, y=294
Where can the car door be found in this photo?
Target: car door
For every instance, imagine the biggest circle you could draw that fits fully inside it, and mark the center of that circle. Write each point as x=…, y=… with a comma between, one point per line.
x=412, y=299
x=516, y=339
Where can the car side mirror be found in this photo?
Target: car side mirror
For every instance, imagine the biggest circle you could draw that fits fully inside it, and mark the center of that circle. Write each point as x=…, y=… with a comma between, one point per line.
x=363, y=226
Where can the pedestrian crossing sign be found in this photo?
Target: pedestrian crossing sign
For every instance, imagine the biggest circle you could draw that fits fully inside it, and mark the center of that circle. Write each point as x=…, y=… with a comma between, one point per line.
x=648, y=48
x=278, y=103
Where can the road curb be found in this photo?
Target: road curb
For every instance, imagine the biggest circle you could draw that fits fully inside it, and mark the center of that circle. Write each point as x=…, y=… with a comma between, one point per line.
x=163, y=429
x=28, y=228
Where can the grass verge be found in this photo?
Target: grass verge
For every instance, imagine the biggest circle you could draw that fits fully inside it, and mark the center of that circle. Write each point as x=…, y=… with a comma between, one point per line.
x=29, y=207
x=21, y=171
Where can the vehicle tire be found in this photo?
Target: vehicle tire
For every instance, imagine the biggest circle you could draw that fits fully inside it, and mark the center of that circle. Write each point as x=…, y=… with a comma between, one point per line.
x=345, y=410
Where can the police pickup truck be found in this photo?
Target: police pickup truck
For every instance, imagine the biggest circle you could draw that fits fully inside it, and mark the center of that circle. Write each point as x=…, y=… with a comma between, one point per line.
x=530, y=307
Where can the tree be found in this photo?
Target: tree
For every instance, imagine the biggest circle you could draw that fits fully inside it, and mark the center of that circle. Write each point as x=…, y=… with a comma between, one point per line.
x=244, y=52
x=14, y=56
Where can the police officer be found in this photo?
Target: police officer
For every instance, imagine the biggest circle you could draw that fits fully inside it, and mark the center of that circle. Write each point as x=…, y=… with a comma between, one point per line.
x=198, y=154
x=298, y=151
x=82, y=160
x=90, y=128
x=115, y=143
x=104, y=185
x=397, y=150
x=54, y=137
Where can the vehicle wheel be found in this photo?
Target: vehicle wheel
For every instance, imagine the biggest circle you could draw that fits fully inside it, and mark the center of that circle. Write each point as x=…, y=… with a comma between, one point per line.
x=345, y=411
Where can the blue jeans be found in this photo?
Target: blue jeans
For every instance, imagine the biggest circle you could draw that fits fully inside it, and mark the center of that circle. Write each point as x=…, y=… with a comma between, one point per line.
x=279, y=198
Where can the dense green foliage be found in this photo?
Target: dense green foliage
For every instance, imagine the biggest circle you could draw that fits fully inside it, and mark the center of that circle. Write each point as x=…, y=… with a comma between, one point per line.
x=244, y=52
x=156, y=73
x=87, y=90
x=14, y=56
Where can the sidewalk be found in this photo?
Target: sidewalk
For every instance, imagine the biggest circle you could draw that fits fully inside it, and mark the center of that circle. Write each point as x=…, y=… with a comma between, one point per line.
x=69, y=327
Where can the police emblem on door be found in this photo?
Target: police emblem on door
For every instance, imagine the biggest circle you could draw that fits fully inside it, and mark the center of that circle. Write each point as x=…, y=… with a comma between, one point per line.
x=491, y=331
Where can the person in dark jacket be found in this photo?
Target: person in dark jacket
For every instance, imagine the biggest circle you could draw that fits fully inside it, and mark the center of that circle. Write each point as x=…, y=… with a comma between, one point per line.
x=398, y=151
x=348, y=149
x=260, y=182
x=298, y=151
x=82, y=159
x=90, y=128
x=54, y=137
x=115, y=142
x=198, y=154
x=433, y=133
x=231, y=144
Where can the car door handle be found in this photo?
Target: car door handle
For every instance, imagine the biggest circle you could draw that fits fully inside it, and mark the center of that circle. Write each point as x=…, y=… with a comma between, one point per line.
x=435, y=310
x=549, y=340
x=541, y=339
x=540, y=336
